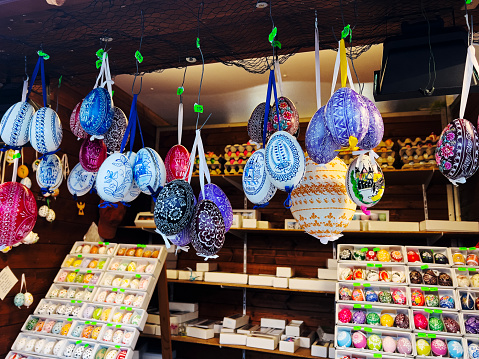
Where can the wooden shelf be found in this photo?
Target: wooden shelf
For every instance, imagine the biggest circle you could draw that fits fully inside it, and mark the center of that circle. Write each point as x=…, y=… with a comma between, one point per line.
x=246, y=286
x=300, y=353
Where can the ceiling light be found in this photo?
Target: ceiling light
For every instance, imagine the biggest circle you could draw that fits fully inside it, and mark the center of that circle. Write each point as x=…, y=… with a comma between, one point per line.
x=152, y=88
x=106, y=39
x=191, y=60
x=261, y=4
x=56, y=2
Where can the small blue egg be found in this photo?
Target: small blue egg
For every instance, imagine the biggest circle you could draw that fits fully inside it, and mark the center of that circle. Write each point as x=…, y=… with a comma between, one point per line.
x=371, y=296
x=344, y=339
x=455, y=349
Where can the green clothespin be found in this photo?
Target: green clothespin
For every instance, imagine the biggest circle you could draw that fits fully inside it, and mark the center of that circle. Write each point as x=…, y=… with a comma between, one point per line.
x=138, y=56
x=468, y=2
x=43, y=54
x=198, y=108
x=197, y=42
x=180, y=91
x=272, y=35
x=60, y=81
x=347, y=32
x=276, y=43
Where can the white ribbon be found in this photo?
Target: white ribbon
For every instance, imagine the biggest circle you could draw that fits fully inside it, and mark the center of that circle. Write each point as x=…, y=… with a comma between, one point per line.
x=15, y=166
x=25, y=90
x=372, y=155
x=165, y=238
x=192, y=159
x=336, y=71
x=471, y=62
x=458, y=181
x=279, y=79
x=24, y=281
x=180, y=122
x=179, y=249
x=317, y=67
x=104, y=77
x=207, y=256
x=203, y=167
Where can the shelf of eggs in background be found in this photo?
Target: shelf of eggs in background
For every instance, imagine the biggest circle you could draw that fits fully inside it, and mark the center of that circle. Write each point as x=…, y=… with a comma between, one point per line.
x=214, y=163
x=419, y=153
x=386, y=158
x=100, y=248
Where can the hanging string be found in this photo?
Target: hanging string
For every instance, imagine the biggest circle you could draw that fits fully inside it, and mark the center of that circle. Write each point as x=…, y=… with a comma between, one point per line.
x=200, y=13
x=139, y=57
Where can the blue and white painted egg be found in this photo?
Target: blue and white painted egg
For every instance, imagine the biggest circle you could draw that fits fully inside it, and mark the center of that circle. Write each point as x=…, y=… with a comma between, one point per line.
x=285, y=162
x=455, y=349
x=49, y=172
x=181, y=239
x=174, y=207
x=207, y=229
x=115, y=133
x=346, y=116
x=96, y=112
x=114, y=178
x=473, y=351
x=15, y=124
x=216, y=195
x=80, y=181
x=375, y=131
x=256, y=184
x=46, y=132
x=149, y=170
x=134, y=190
x=319, y=143
x=19, y=299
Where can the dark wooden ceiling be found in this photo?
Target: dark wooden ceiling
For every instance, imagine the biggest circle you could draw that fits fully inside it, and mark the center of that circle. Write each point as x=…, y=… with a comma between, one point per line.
x=229, y=30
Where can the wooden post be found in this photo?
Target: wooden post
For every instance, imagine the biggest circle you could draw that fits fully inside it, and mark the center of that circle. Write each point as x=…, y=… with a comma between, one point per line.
x=164, y=308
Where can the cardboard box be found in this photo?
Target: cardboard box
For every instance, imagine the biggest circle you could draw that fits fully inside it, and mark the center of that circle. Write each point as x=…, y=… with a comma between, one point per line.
x=233, y=338
x=449, y=226
x=262, y=341
x=171, y=274
x=247, y=329
x=250, y=223
x=289, y=224
x=262, y=279
x=182, y=317
x=171, y=256
x=332, y=263
x=218, y=327
x=312, y=284
x=332, y=351
x=183, y=307
x=263, y=224
x=330, y=274
x=223, y=277
x=248, y=213
x=206, y=267
x=320, y=349
x=306, y=338
x=285, y=272
x=149, y=329
x=187, y=275
x=200, y=333
x=294, y=328
x=227, y=330
x=273, y=323
x=393, y=226
x=280, y=282
x=237, y=221
x=235, y=321
x=288, y=344
x=354, y=226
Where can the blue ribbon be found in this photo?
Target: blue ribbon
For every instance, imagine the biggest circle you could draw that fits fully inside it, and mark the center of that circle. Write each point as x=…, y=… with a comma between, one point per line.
x=93, y=190
x=258, y=206
x=40, y=64
x=75, y=197
x=108, y=204
x=271, y=85
x=45, y=155
x=287, y=203
x=46, y=190
x=126, y=204
x=133, y=122
x=7, y=147
x=154, y=193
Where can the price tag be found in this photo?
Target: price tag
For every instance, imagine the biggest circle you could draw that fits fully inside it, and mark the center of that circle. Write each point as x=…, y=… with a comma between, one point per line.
x=85, y=286
x=122, y=308
x=368, y=306
x=364, y=249
x=368, y=330
x=356, y=284
x=379, y=265
x=370, y=265
x=141, y=245
x=122, y=290
x=79, y=256
x=76, y=270
x=109, y=324
x=462, y=248
x=472, y=248
x=366, y=285
x=138, y=56
x=114, y=289
x=356, y=328
x=129, y=308
x=69, y=319
x=93, y=323
x=425, y=266
x=78, y=342
x=118, y=325
x=100, y=243
x=421, y=335
x=424, y=288
x=461, y=269
x=88, y=271
x=357, y=306
x=437, y=311
x=471, y=269
x=377, y=355
x=87, y=345
x=433, y=289
x=87, y=322
x=91, y=286
x=117, y=346
x=72, y=301
x=376, y=249
x=428, y=310
x=180, y=90
x=431, y=335
x=107, y=243
x=137, y=276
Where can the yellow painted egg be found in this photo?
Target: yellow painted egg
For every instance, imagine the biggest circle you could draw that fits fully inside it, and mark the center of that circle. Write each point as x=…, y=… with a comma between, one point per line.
x=131, y=267
x=22, y=171
x=131, y=252
x=384, y=256
x=65, y=329
x=71, y=277
x=387, y=320
x=117, y=317
x=77, y=263
x=95, y=333
x=106, y=314
x=69, y=262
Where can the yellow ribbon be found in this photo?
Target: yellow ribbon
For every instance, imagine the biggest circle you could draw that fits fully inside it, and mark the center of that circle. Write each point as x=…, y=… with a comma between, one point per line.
x=343, y=63
x=353, y=141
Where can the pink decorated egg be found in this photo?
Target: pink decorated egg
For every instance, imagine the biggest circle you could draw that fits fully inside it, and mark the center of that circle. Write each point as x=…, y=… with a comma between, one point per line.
x=92, y=154
x=439, y=347
x=177, y=163
x=75, y=125
x=404, y=346
x=359, y=340
x=389, y=344
x=345, y=315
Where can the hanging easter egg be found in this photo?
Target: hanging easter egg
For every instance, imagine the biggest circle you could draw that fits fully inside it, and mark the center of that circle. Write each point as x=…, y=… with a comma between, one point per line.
x=134, y=190
x=7, y=249
x=49, y=173
x=320, y=203
x=284, y=161
x=216, y=195
x=22, y=171
x=365, y=181
x=207, y=229
x=256, y=123
x=114, y=178
x=96, y=112
x=256, y=184
x=56, y=192
x=346, y=115
x=75, y=125
x=46, y=132
x=288, y=118
x=181, y=239
x=115, y=133
x=19, y=299
x=457, y=150
x=92, y=154
x=15, y=124
x=80, y=181
x=174, y=207
x=9, y=156
x=31, y=238
x=51, y=216
x=27, y=182
x=28, y=299
x=177, y=163
x=149, y=170
x=18, y=212
x=43, y=211
x=375, y=131
x=319, y=143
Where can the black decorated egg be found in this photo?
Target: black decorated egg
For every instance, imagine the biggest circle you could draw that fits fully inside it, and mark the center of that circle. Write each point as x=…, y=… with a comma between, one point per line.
x=174, y=207
x=255, y=123
x=207, y=230
x=115, y=133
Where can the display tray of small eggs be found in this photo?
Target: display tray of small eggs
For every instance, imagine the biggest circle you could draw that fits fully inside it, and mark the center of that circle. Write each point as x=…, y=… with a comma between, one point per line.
x=77, y=349
x=374, y=254
x=432, y=276
x=441, y=345
x=368, y=315
x=39, y=345
x=101, y=248
x=139, y=250
x=346, y=354
x=119, y=315
x=86, y=330
x=83, y=292
x=373, y=273
x=120, y=296
x=432, y=298
x=141, y=282
x=377, y=340
x=135, y=265
x=102, y=351
x=469, y=299
x=63, y=308
x=16, y=355
x=379, y=295
x=96, y=312
x=466, y=277
x=86, y=261
x=462, y=256
x=48, y=326
x=428, y=321
x=427, y=255
x=119, y=336
x=79, y=276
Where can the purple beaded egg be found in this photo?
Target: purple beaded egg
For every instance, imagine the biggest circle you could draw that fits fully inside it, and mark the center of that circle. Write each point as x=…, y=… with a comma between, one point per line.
x=375, y=131
x=207, y=229
x=215, y=194
x=457, y=150
x=472, y=325
x=346, y=115
x=319, y=142
x=359, y=317
x=255, y=123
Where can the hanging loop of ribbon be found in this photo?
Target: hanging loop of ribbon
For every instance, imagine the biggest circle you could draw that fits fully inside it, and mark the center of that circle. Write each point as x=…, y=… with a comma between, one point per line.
x=271, y=87
x=471, y=62
x=165, y=238
x=317, y=64
x=346, y=69
x=40, y=66
x=259, y=206
x=104, y=77
x=45, y=155
x=181, y=248
x=287, y=203
x=154, y=193
x=206, y=257
x=107, y=204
